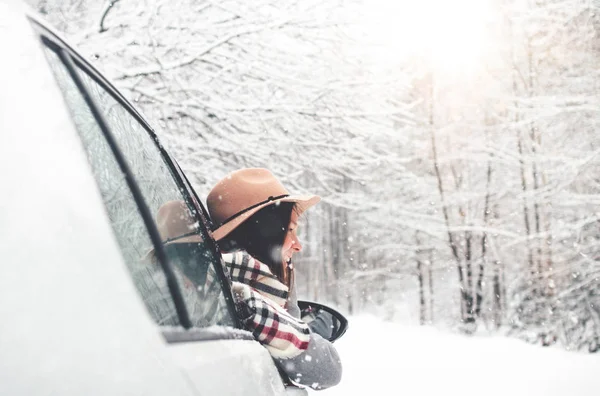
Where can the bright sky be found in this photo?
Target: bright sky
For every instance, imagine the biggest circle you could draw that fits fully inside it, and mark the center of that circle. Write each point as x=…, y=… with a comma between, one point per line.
x=452, y=36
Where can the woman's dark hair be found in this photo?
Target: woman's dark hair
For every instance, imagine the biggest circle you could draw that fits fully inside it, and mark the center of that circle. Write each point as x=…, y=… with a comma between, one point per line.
x=262, y=236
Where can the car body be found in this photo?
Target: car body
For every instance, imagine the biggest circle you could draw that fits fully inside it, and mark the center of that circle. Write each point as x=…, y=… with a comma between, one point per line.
x=82, y=177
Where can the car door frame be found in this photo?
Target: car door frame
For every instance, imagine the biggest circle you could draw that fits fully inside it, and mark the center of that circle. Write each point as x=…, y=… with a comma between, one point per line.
x=53, y=40
x=171, y=335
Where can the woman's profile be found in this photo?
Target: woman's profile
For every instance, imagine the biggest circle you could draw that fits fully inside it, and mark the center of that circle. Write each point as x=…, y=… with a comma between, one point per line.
x=256, y=222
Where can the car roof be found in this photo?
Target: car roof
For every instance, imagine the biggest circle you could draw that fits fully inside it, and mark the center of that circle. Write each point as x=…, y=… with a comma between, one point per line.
x=72, y=322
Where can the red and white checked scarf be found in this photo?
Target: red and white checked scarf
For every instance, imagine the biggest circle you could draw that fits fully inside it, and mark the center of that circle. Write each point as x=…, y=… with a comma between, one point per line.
x=261, y=300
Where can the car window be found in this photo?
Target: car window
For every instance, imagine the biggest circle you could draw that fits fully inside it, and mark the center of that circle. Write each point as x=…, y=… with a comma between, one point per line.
x=185, y=239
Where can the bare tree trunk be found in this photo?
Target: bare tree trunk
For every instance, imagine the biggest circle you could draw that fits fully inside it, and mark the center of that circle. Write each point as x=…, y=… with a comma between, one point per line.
x=522, y=164
x=430, y=277
x=346, y=262
x=497, y=289
x=421, y=280
x=451, y=241
x=483, y=259
x=313, y=250
x=534, y=171
x=547, y=228
x=350, y=301
x=422, y=306
x=524, y=189
x=470, y=318
x=328, y=255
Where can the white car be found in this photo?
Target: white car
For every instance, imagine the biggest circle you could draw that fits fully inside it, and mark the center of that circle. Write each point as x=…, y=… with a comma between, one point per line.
x=82, y=176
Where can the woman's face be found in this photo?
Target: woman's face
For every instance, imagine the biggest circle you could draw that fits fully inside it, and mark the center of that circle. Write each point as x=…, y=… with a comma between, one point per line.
x=291, y=244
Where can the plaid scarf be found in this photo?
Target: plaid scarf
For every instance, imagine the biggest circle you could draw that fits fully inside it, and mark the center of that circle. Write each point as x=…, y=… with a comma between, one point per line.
x=261, y=301
x=246, y=269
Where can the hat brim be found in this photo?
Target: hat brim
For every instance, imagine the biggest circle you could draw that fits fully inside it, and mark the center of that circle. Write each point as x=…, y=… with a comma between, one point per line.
x=196, y=238
x=304, y=202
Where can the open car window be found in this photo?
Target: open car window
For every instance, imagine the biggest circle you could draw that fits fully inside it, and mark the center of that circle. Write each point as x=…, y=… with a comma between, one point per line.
x=183, y=235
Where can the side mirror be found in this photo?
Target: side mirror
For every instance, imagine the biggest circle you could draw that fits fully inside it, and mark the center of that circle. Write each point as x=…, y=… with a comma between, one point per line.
x=323, y=319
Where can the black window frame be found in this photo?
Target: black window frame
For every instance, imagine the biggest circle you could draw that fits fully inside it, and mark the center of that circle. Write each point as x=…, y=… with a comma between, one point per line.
x=72, y=60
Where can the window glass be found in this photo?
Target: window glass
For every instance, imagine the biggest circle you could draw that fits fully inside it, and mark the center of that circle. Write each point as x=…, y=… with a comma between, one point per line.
x=183, y=237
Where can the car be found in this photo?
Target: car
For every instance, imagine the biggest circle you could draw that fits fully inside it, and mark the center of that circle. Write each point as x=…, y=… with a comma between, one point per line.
x=84, y=309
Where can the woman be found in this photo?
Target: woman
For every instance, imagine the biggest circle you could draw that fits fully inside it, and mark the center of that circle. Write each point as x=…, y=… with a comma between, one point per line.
x=256, y=222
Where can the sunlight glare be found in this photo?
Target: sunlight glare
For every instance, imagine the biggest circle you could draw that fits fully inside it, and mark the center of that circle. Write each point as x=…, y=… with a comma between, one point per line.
x=449, y=36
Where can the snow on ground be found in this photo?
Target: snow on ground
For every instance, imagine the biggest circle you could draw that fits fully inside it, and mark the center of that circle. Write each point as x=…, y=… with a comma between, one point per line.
x=384, y=358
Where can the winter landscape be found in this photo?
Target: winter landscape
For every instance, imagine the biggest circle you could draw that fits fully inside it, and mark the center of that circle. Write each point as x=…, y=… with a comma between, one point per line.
x=408, y=360
x=455, y=146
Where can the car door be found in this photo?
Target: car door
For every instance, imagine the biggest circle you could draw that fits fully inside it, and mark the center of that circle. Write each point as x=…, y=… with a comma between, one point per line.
x=136, y=178
x=72, y=322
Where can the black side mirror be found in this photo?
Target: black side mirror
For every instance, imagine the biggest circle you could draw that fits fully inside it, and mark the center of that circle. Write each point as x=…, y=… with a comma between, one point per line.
x=324, y=320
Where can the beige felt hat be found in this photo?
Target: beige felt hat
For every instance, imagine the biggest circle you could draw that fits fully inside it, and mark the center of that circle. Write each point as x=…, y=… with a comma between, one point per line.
x=244, y=192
